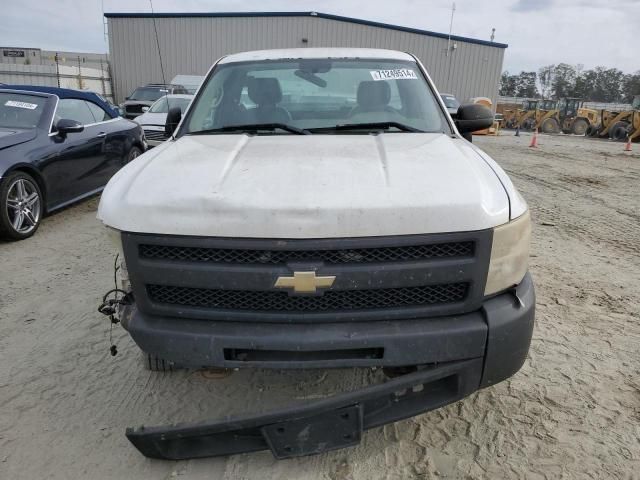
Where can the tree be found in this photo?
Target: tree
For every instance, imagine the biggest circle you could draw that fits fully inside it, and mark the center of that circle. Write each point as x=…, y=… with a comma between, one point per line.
x=545, y=80
x=563, y=80
x=526, y=85
x=606, y=84
x=508, y=85
x=631, y=86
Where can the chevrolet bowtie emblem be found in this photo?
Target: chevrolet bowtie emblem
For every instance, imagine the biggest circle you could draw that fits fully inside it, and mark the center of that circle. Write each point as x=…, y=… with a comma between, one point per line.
x=305, y=282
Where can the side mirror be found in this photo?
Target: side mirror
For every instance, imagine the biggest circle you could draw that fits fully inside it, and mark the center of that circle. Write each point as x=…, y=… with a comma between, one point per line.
x=173, y=119
x=472, y=117
x=145, y=109
x=66, y=125
x=127, y=98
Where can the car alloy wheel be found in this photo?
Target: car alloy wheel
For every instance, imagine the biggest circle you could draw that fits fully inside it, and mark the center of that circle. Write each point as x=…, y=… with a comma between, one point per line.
x=23, y=206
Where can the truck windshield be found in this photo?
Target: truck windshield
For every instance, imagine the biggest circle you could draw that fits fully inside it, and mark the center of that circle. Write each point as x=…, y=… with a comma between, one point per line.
x=20, y=111
x=164, y=104
x=148, y=94
x=317, y=96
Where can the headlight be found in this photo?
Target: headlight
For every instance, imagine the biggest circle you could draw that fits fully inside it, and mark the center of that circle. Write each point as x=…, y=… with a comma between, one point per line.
x=115, y=236
x=509, y=254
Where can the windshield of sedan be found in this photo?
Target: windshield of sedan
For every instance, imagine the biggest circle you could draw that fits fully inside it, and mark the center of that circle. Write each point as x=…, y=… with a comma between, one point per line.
x=20, y=111
x=164, y=104
x=316, y=96
x=148, y=94
x=450, y=101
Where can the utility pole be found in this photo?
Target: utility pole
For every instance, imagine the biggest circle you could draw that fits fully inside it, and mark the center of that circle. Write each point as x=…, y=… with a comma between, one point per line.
x=57, y=59
x=453, y=11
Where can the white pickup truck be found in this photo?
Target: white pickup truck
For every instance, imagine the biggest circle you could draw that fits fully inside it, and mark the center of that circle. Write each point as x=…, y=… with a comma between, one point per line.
x=318, y=208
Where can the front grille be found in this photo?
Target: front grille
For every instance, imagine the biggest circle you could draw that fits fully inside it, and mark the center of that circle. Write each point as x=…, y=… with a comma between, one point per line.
x=155, y=135
x=333, y=300
x=133, y=108
x=276, y=257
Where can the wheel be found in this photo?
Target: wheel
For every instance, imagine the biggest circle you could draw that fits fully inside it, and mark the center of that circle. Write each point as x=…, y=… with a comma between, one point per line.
x=619, y=131
x=592, y=130
x=153, y=363
x=550, y=125
x=528, y=124
x=134, y=153
x=21, y=206
x=580, y=126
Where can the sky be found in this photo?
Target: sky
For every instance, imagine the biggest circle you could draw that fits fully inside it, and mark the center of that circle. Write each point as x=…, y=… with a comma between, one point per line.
x=538, y=32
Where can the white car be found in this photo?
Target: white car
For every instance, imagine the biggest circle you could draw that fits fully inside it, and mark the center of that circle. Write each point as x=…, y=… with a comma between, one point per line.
x=154, y=117
x=318, y=208
x=451, y=102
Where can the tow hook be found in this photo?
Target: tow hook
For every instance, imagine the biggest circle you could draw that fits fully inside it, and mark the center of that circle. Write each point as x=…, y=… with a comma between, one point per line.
x=514, y=292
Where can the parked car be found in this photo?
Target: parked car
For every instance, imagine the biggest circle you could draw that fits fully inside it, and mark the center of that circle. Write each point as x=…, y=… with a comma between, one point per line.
x=57, y=146
x=94, y=97
x=154, y=118
x=145, y=96
x=189, y=82
x=336, y=218
x=451, y=102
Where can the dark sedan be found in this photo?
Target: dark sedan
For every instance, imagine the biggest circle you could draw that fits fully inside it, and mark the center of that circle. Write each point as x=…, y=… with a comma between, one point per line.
x=56, y=147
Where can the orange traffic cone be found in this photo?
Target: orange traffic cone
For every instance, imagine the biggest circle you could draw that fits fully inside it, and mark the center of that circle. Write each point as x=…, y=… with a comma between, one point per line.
x=627, y=147
x=534, y=140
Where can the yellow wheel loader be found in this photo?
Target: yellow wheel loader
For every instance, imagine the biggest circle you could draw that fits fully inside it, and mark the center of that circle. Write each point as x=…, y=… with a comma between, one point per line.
x=569, y=117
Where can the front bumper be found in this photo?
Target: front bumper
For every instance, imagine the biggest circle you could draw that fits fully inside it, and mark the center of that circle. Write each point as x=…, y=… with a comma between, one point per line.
x=458, y=354
x=502, y=327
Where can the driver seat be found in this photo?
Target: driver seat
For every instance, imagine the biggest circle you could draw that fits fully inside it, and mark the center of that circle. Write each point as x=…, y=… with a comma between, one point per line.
x=373, y=96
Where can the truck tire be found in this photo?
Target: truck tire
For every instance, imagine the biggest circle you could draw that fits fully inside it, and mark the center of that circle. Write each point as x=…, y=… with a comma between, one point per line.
x=619, y=131
x=153, y=363
x=21, y=206
x=550, y=126
x=580, y=126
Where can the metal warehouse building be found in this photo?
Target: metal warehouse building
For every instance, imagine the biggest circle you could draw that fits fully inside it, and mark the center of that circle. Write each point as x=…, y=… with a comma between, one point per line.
x=191, y=42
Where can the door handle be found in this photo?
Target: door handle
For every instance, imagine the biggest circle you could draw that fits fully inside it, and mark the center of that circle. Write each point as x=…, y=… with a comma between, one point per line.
x=101, y=134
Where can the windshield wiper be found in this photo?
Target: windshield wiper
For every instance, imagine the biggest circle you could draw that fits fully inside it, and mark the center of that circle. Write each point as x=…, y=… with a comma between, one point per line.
x=370, y=126
x=252, y=128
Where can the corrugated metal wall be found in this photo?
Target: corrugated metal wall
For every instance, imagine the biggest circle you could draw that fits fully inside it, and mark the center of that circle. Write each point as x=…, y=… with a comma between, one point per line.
x=189, y=45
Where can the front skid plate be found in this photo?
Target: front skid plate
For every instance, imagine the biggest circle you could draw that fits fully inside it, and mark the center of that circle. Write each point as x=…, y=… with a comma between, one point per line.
x=315, y=427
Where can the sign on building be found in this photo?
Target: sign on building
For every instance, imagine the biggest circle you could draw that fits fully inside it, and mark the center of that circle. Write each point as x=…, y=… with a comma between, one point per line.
x=13, y=53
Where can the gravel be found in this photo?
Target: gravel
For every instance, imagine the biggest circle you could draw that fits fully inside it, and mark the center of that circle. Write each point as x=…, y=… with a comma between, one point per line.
x=573, y=411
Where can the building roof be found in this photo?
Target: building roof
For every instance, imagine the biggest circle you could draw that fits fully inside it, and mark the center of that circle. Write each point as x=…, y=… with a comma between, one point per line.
x=306, y=14
x=335, y=52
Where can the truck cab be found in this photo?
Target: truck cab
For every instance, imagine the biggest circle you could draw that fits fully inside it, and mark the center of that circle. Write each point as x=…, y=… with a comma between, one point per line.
x=319, y=208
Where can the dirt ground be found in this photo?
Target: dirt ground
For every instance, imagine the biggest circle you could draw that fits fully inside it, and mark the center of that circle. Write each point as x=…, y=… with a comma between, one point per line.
x=573, y=411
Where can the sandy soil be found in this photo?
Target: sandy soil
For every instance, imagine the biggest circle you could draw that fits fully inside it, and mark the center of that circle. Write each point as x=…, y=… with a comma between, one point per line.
x=573, y=411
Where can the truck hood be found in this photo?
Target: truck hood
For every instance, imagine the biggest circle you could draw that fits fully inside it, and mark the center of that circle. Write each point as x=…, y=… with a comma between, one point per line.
x=148, y=118
x=312, y=186
x=14, y=136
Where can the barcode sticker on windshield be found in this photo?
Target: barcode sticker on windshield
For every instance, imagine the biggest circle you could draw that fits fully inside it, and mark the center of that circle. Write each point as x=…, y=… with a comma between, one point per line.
x=395, y=74
x=13, y=103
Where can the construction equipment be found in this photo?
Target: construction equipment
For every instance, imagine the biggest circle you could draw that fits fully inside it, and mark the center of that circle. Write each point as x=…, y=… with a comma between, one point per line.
x=568, y=117
x=527, y=118
x=618, y=125
x=546, y=109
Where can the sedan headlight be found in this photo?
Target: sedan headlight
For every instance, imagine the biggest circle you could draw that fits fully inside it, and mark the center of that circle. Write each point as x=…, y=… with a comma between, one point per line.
x=509, y=254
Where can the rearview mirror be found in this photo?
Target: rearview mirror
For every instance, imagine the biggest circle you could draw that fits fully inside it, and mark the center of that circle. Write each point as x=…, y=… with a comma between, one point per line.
x=66, y=125
x=173, y=119
x=472, y=117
